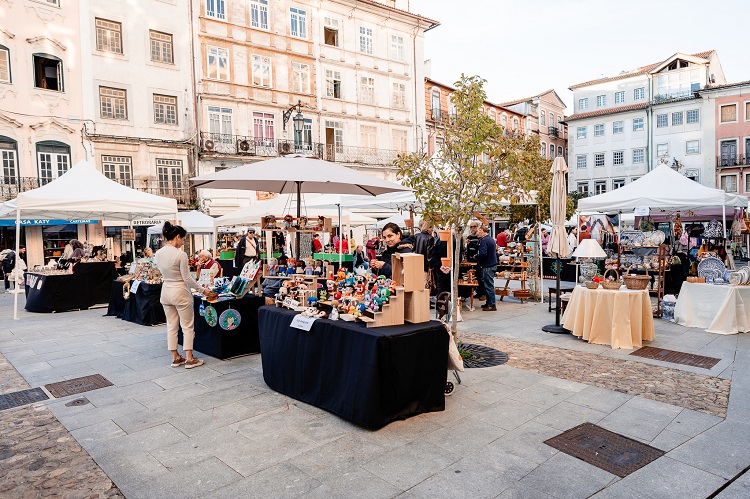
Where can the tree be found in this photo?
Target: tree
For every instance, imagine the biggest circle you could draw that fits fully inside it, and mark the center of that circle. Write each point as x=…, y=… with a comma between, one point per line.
x=479, y=164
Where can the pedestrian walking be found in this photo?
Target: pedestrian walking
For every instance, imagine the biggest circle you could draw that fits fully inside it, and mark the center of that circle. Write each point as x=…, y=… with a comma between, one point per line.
x=487, y=261
x=13, y=268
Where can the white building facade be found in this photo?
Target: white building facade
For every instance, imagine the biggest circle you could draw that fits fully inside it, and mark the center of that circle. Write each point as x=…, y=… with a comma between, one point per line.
x=626, y=125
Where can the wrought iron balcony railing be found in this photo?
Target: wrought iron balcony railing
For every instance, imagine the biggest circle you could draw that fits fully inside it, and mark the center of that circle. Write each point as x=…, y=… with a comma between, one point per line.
x=726, y=160
x=438, y=116
x=553, y=131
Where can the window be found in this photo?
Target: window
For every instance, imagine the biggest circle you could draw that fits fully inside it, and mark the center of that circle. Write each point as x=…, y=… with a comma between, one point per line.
x=618, y=158
x=220, y=123
x=581, y=161
x=298, y=22
x=300, y=78
x=544, y=149
x=8, y=161
x=581, y=132
x=618, y=126
x=599, y=130
x=693, y=116
x=218, y=63
x=169, y=172
x=583, y=188
x=397, y=48
x=639, y=155
x=542, y=119
x=435, y=105
x=400, y=140
x=333, y=84
x=365, y=40
x=662, y=150
x=216, y=9
x=53, y=2
x=729, y=113
x=637, y=124
x=334, y=136
x=112, y=103
x=367, y=90
x=331, y=31
x=662, y=120
x=263, y=127
x=729, y=183
x=161, y=47
x=600, y=187
x=399, y=95
x=619, y=97
x=677, y=118
x=119, y=169
x=601, y=100
x=599, y=159
x=4, y=64
x=559, y=151
x=693, y=146
x=617, y=183
x=583, y=104
x=261, y=70
x=747, y=107
x=108, y=36
x=368, y=138
x=165, y=109
x=693, y=175
x=552, y=150
x=53, y=159
x=551, y=119
x=259, y=14
x=639, y=93
x=48, y=72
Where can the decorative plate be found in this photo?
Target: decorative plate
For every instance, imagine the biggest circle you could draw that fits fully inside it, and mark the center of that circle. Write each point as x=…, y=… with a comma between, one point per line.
x=209, y=313
x=658, y=237
x=632, y=238
x=711, y=267
x=229, y=319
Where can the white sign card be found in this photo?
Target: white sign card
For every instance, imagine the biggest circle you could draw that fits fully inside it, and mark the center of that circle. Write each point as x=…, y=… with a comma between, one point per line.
x=132, y=268
x=134, y=286
x=641, y=211
x=205, y=277
x=302, y=322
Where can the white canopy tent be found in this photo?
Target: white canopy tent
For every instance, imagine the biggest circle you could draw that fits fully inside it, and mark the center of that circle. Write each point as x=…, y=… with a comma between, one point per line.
x=85, y=193
x=282, y=205
x=196, y=223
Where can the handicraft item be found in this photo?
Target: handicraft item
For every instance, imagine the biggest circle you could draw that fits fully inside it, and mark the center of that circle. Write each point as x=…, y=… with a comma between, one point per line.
x=229, y=319
x=210, y=315
x=636, y=282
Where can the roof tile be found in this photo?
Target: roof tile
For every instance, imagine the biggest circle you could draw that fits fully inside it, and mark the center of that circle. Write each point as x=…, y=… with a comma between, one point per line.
x=610, y=110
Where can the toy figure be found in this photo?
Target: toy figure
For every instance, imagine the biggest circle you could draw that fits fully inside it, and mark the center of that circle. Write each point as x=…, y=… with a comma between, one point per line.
x=318, y=270
x=302, y=222
x=281, y=271
x=288, y=219
x=308, y=269
x=322, y=294
x=334, y=314
x=270, y=222
x=381, y=280
x=340, y=275
x=330, y=286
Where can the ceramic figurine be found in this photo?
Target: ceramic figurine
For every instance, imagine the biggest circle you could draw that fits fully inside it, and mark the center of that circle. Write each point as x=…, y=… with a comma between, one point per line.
x=288, y=219
x=334, y=314
x=302, y=222
x=270, y=222
x=322, y=294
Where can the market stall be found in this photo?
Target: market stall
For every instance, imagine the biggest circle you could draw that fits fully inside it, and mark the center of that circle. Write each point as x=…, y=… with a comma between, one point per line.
x=88, y=285
x=717, y=309
x=199, y=226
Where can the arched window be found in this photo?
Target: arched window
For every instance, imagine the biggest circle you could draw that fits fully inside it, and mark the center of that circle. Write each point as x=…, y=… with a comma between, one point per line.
x=48, y=72
x=552, y=150
x=544, y=149
x=493, y=115
x=552, y=120
x=559, y=151
x=435, y=104
x=543, y=119
x=515, y=124
x=53, y=159
x=8, y=161
x=5, y=76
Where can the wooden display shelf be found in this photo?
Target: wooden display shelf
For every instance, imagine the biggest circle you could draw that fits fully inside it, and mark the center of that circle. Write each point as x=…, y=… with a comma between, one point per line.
x=392, y=313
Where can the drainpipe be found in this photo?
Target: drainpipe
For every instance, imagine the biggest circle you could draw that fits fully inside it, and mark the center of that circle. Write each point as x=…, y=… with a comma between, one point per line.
x=649, y=127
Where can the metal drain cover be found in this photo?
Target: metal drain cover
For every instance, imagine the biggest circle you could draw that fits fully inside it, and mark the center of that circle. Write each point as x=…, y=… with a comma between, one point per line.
x=685, y=359
x=77, y=385
x=482, y=356
x=23, y=397
x=604, y=449
x=77, y=402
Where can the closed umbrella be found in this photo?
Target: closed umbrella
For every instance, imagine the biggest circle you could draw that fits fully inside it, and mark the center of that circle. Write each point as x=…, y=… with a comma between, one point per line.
x=558, y=242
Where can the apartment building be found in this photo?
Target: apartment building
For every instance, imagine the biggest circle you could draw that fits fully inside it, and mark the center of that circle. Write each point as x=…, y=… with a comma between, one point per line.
x=336, y=79
x=623, y=126
x=545, y=116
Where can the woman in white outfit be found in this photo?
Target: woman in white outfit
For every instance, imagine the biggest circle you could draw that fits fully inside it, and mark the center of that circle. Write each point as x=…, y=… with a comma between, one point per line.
x=175, y=294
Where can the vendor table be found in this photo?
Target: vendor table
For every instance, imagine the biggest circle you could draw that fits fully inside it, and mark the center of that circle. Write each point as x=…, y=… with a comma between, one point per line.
x=333, y=257
x=228, y=268
x=222, y=344
x=116, y=300
x=142, y=307
x=717, y=309
x=622, y=318
x=89, y=284
x=367, y=376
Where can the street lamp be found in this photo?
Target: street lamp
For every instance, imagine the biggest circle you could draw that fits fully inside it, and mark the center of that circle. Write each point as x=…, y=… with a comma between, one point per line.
x=299, y=120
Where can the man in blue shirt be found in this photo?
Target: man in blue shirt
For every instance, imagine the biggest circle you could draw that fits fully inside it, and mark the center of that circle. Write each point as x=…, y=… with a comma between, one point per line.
x=487, y=261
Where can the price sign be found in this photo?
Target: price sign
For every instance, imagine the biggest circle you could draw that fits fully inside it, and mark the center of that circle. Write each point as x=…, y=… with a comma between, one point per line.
x=134, y=286
x=132, y=268
x=641, y=211
x=128, y=234
x=302, y=322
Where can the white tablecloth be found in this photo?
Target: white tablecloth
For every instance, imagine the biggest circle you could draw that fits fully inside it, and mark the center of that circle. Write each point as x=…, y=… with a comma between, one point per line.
x=717, y=309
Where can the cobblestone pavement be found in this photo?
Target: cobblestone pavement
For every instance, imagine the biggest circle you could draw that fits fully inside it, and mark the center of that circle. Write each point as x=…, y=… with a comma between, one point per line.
x=39, y=457
x=692, y=391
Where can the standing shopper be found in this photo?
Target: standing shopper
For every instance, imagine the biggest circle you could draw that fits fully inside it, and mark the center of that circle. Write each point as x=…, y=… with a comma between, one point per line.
x=487, y=261
x=423, y=244
x=175, y=294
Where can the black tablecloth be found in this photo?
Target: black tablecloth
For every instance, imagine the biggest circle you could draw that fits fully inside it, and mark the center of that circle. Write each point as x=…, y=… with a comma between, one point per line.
x=116, y=301
x=228, y=268
x=89, y=284
x=367, y=376
x=217, y=342
x=143, y=306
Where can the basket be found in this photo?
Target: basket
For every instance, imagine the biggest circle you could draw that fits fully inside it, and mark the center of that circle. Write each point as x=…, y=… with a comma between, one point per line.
x=592, y=285
x=636, y=282
x=612, y=285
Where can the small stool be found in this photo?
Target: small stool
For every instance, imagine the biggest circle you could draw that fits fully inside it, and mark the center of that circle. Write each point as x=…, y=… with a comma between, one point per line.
x=552, y=291
x=564, y=303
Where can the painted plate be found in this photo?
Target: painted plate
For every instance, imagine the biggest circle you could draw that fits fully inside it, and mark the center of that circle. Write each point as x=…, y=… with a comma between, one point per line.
x=209, y=313
x=711, y=267
x=632, y=238
x=229, y=319
x=735, y=278
x=658, y=237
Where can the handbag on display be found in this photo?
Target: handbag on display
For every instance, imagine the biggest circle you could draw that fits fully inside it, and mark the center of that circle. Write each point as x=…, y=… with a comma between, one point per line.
x=714, y=229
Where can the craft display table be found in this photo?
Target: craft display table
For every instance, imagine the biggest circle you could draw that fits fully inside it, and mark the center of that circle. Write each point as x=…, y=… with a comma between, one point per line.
x=369, y=376
x=717, y=309
x=142, y=307
x=622, y=319
x=90, y=284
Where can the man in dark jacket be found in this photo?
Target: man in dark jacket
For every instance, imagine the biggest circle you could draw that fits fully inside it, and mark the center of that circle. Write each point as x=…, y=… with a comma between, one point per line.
x=487, y=261
x=423, y=244
x=247, y=249
x=9, y=264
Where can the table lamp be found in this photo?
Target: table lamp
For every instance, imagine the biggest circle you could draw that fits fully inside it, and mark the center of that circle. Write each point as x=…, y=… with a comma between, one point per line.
x=588, y=250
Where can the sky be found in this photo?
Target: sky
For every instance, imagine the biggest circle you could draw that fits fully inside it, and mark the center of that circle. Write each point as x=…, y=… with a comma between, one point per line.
x=523, y=47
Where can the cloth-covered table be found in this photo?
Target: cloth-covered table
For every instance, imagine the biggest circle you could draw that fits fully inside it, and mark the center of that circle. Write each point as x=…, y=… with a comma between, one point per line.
x=622, y=319
x=116, y=300
x=222, y=344
x=142, y=307
x=717, y=309
x=369, y=376
x=89, y=284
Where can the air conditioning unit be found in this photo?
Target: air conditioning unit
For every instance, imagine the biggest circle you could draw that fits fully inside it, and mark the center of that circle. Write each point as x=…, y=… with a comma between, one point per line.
x=209, y=145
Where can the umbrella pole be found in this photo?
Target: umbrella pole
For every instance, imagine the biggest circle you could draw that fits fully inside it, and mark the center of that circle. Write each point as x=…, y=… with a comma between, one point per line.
x=556, y=327
x=341, y=244
x=299, y=213
x=18, y=247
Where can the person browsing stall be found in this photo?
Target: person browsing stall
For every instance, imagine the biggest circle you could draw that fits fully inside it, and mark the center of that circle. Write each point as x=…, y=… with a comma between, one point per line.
x=207, y=262
x=176, y=298
x=487, y=261
x=395, y=243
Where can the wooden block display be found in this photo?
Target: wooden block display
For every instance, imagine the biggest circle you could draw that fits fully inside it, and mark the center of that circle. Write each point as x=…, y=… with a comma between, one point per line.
x=417, y=306
x=392, y=313
x=408, y=271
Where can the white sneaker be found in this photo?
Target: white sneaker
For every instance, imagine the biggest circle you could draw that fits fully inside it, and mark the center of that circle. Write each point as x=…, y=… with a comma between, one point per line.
x=8, y=291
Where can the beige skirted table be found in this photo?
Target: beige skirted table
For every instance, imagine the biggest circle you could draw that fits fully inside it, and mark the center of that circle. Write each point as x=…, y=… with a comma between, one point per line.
x=622, y=319
x=717, y=309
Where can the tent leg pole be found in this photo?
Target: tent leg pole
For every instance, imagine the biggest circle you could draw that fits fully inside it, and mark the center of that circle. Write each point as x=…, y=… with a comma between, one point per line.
x=18, y=255
x=341, y=233
x=298, y=241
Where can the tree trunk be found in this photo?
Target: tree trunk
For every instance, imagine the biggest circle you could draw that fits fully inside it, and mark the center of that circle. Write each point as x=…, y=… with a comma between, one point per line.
x=454, y=282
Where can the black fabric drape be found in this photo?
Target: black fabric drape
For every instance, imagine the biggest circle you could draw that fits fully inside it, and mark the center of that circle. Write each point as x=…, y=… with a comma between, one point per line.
x=89, y=284
x=116, y=301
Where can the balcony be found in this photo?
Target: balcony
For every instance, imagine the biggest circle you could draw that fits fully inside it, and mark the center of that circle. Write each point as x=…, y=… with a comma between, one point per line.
x=10, y=187
x=729, y=160
x=239, y=145
x=553, y=131
x=438, y=116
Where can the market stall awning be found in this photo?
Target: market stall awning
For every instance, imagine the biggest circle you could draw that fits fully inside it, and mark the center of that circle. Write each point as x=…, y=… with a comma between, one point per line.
x=283, y=205
x=195, y=222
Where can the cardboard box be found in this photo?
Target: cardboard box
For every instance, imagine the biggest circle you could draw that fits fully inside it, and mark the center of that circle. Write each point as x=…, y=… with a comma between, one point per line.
x=407, y=270
x=417, y=306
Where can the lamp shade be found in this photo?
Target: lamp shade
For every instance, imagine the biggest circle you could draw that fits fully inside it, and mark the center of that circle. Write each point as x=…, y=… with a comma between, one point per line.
x=299, y=122
x=589, y=248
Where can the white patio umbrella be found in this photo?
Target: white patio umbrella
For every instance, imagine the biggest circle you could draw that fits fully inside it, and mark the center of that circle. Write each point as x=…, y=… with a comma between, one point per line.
x=558, y=243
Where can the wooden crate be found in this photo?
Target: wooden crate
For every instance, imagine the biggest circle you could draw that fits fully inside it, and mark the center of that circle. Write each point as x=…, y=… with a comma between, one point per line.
x=417, y=306
x=392, y=313
x=408, y=271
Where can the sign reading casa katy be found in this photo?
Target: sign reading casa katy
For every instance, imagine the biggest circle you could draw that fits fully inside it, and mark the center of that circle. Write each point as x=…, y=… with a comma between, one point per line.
x=46, y=221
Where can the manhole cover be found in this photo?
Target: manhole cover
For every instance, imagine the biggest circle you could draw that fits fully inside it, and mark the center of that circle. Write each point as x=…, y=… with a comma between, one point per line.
x=481, y=356
x=77, y=402
x=16, y=399
x=604, y=449
x=686, y=359
x=77, y=385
